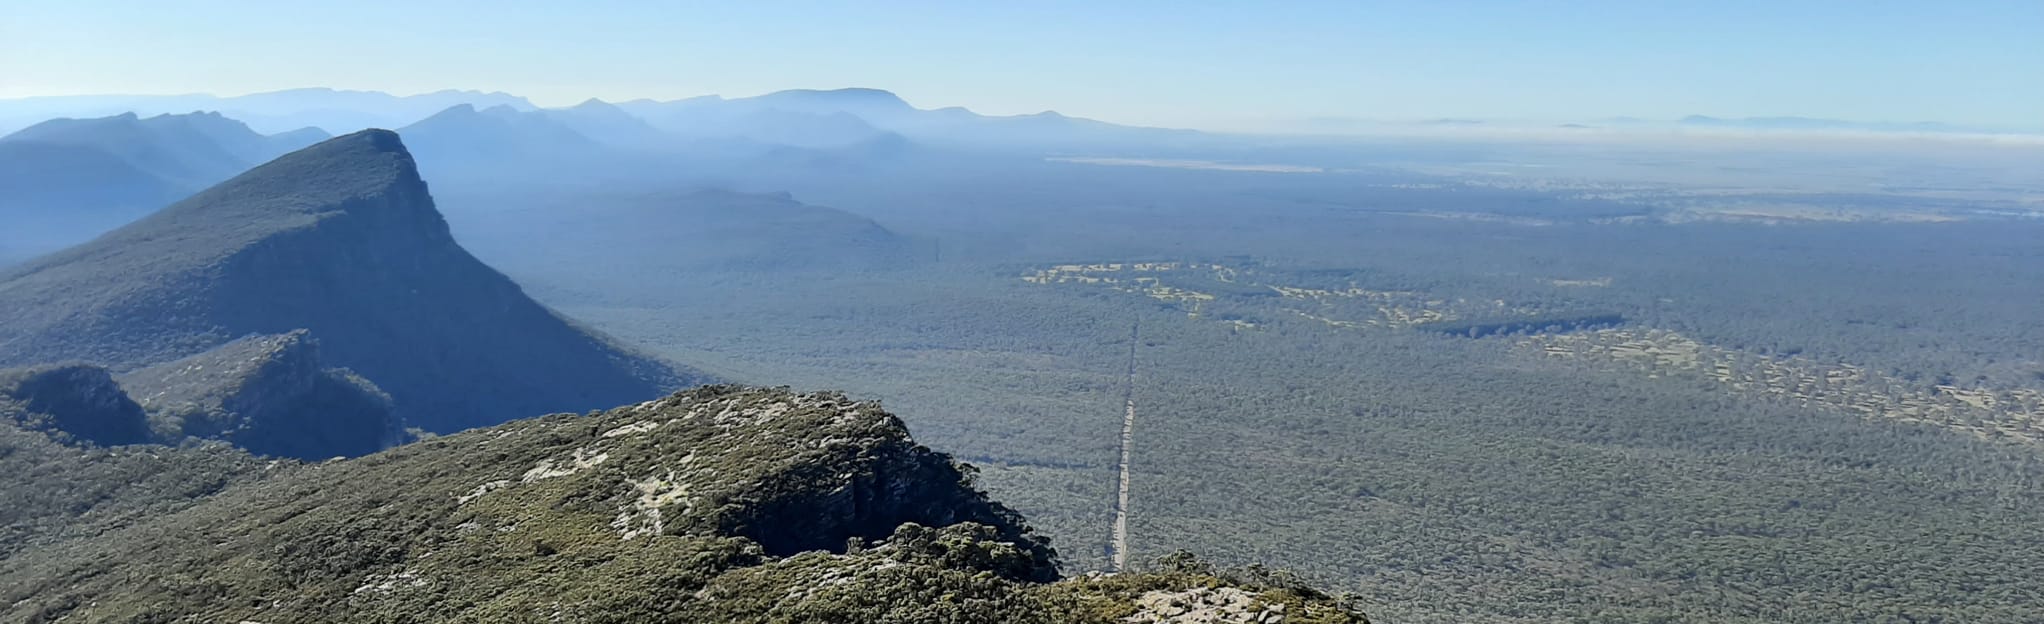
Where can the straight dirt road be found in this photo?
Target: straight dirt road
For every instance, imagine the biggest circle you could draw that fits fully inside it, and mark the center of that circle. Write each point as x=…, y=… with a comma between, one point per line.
x=1118, y=547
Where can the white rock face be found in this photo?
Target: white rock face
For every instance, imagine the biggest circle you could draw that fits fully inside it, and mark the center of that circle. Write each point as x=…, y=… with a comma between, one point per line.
x=642, y=516
x=1200, y=605
x=584, y=459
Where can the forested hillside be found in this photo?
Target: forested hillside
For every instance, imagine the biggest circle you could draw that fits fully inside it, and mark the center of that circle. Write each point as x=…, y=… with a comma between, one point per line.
x=1697, y=421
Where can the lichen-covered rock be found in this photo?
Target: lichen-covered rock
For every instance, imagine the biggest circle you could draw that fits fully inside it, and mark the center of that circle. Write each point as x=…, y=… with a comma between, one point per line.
x=269, y=394
x=76, y=402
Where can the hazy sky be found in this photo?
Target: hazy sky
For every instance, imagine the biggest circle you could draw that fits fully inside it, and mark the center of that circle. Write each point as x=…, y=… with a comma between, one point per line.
x=1170, y=63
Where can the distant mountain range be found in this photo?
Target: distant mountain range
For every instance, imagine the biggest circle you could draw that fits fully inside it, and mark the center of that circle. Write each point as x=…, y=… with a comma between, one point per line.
x=63, y=181
x=342, y=240
x=195, y=148
x=464, y=132
x=794, y=117
x=799, y=117
x=1812, y=123
x=1334, y=125
x=336, y=111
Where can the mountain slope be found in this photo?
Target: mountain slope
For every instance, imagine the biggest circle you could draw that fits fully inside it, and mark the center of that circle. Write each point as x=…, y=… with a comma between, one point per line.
x=57, y=492
x=561, y=241
x=340, y=239
x=720, y=504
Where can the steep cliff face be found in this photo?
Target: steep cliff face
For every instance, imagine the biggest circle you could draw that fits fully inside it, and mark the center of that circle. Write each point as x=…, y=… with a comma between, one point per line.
x=719, y=504
x=271, y=395
x=341, y=239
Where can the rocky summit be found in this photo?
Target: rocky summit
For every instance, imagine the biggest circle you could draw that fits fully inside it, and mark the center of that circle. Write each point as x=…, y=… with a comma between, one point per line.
x=718, y=504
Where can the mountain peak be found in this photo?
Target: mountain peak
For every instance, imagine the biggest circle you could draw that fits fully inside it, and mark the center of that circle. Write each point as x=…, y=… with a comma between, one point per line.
x=293, y=191
x=341, y=239
x=858, y=101
x=374, y=144
x=848, y=93
x=331, y=176
x=459, y=110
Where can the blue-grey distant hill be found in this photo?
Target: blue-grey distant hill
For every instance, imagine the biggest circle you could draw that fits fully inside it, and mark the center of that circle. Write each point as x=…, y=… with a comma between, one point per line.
x=464, y=134
x=604, y=148
x=64, y=181
x=342, y=240
x=833, y=112
x=567, y=240
x=334, y=110
x=608, y=124
x=803, y=118
x=1814, y=123
x=196, y=148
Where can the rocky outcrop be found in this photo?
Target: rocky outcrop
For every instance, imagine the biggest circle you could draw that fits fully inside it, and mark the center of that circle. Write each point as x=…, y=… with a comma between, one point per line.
x=847, y=470
x=719, y=504
x=75, y=403
x=271, y=395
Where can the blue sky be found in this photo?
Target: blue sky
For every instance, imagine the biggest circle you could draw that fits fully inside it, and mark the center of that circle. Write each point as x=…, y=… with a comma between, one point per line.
x=1169, y=63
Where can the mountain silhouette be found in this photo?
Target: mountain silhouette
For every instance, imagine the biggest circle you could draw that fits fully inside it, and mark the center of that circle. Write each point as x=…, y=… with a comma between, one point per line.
x=605, y=123
x=340, y=239
x=886, y=112
x=197, y=149
x=333, y=110
x=466, y=131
